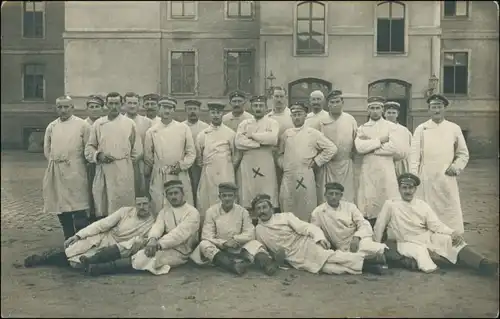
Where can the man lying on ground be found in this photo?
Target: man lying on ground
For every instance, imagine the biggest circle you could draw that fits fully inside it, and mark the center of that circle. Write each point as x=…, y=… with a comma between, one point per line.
x=174, y=235
x=305, y=245
x=422, y=239
x=104, y=246
x=228, y=237
x=346, y=229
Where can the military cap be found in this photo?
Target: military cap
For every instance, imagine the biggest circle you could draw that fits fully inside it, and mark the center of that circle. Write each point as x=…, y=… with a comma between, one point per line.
x=259, y=198
x=215, y=106
x=95, y=99
x=151, y=97
x=168, y=100
x=172, y=184
x=408, y=178
x=333, y=94
x=192, y=102
x=375, y=100
x=392, y=105
x=299, y=106
x=258, y=98
x=237, y=93
x=334, y=185
x=227, y=187
x=438, y=98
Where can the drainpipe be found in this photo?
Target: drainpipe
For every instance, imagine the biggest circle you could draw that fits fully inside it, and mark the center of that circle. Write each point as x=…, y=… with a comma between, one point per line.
x=265, y=67
x=498, y=56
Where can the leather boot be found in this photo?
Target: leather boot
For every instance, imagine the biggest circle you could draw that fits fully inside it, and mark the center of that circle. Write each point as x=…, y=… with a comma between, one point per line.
x=269, y=266
x=106, y=254
x=54, y=257
x=472, y=259
x=66, y=221
x=396, y=260
x=224, y=261
x=80, y=220
x=117, y=266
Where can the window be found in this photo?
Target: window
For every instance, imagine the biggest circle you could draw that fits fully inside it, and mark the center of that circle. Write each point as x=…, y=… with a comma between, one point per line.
x=239, y=68
x=239, y=9
x=182, y=72
x=390, y=27
x=456, y=8
x=310, y=28
x=182, y=9
x=33, y=82
x=33, y=19
x=455, y=73
x=301, y=89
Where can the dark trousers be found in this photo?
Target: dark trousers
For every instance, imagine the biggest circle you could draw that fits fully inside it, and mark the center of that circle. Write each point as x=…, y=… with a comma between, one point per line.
x=72, y=222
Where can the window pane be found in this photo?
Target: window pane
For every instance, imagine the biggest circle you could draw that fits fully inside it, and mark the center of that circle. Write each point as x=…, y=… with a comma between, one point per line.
x=448, y=80
x=232, y=79
x=232, y=9
x=28, y=25
x=319, y=86
x=246, y=8
x=378, y=89
x=449, y=8
x=461, y=80
x=395, y=91
x=188, y=58
x=461, y=8
x=303, y=28
x=383, y=34
x=318, y=10
x=448, y=59
x=38, y=86
x=38, y=24
x=39, y=6
x=188, y=82
x=303, y=10
x=245, y=79
x=189, y=9
x=398, y=11
x=176, y=79
x=176, y=58
x=383, y=10
x=245, y=58
x=398, y=35
x=28, y=86
x=461, y=58
x=176, y=8
x=232, y=58
x=318, y=27
x=317, y=43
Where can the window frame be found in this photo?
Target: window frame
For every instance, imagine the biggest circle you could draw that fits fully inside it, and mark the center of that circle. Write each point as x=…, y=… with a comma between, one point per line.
x=443, y=52
x=253, y=66
x=308, y=80
x=295, y=33
x=44, y=24
x=455, y=17
x=239, y=18
x=44, y=83
x=169, y=78
x=406, y=30
x=183, y=18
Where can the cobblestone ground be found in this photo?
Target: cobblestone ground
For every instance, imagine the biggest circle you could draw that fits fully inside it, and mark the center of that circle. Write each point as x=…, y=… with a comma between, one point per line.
x=187, y=291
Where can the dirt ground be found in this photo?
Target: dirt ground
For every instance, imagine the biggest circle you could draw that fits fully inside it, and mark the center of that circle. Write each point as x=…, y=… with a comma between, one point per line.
x=191, y=292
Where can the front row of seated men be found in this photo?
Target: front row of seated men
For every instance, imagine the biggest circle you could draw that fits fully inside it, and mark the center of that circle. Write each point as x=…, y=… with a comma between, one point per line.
x=338, y=240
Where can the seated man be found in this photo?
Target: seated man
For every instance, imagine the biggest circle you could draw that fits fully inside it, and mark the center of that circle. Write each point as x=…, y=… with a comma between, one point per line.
x=173, y=236
x=104, y=246
x=305, y=245
x=347, y=230
x=228, y=233
x=420, y=235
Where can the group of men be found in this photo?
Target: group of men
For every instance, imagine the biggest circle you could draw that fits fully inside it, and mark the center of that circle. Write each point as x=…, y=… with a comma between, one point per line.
x=261, y=187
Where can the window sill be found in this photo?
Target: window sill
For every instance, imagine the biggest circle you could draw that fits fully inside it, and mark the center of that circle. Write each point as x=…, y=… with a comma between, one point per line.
x=238, y=18
x=190, y=18
x=310, y=55
x=390, y=54
x=456, y=96
x=33, y=38
x=33, y=101
x=183, y=94
x=455, y=18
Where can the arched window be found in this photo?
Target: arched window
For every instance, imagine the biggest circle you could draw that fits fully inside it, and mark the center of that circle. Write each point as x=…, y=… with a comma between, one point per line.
x=390, y=27
x=396, y=91
x=310, y=28
x=302, y=88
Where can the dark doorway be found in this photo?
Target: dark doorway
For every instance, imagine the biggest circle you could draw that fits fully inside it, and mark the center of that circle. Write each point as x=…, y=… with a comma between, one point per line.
x=299, y=90
x=397, y=91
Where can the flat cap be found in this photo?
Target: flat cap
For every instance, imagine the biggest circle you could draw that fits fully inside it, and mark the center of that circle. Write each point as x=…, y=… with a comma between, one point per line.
x=333, y=93
x=168, y=100
x=95, y=99
x=258, y=98
x=151, y=97
x=216, y=106
x=376, y=100
x=438, y=98
x=237, y=93
x=408, y=178
x=192, y=102
x=259, y=198
x=299, y=106
x=227, y=187
x=172, y=184
x=334, y=185
x=392, y=105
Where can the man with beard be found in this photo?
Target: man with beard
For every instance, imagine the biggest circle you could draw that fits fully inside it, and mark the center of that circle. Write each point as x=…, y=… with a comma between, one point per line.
x=173, y=236
x=113, y=145
x=238, y=114
x=150, y=104
x=391, y=114
x=304, y=244
x=317, y=102
x=196, y=125
x=378, y=143
x=65, y=184
x=281, y=114
x=169, y=152
x=104, y=246
x=142, y=124
x=422, y=237
x=216, y=156
x=302, y=151
x=438, y=155
x=228, y=235
x=340, y=128
x=257, y=139
x=347, y=230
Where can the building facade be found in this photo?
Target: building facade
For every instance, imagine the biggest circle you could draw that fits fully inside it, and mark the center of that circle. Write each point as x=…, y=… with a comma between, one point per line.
x=403, y=50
